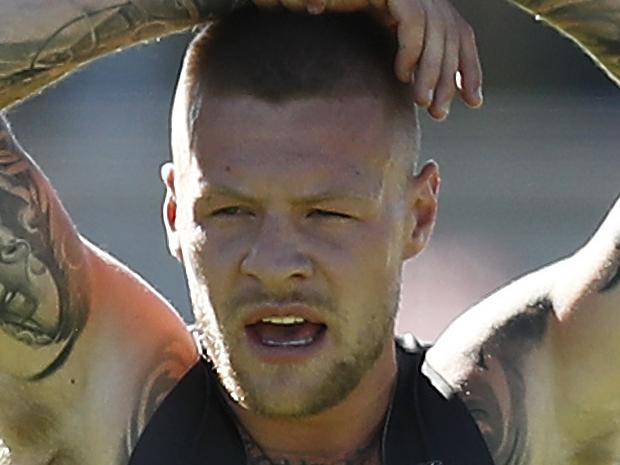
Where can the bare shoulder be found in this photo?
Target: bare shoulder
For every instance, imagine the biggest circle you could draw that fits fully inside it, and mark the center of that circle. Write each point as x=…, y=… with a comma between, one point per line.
x=87, y=348
x=495, y=357
x=535, y=361
x=140, y=349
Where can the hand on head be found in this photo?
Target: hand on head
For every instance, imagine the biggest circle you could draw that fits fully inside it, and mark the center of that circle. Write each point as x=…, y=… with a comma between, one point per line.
x=438, y=52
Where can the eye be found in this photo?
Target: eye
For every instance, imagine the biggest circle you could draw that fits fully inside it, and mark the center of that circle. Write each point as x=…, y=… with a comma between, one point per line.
x=318, y=213
x=231, y=212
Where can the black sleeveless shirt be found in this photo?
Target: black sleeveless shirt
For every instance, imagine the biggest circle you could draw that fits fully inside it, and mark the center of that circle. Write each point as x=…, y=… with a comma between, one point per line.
x=195, y=426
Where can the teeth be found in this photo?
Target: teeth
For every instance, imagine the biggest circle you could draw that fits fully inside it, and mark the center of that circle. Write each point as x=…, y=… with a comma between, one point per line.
x=297, y=343
x=283, y=320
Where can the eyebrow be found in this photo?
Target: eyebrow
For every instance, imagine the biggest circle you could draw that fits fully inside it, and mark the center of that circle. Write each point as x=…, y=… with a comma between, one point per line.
x=210, y=191
x=320, y=197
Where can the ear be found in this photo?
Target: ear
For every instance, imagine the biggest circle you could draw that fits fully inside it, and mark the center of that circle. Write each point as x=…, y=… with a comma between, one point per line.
x=422, y=194
x=170, y=211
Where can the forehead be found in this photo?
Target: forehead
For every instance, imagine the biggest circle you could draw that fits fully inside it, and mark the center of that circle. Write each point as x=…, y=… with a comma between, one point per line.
x=311, y=139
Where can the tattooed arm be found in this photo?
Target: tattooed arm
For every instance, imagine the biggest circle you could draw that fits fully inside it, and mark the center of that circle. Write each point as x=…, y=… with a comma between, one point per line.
x=44, y=284
x=537, y=362
x=44, y=297
x=591, y=24
x=87, y=349
x=42, y=41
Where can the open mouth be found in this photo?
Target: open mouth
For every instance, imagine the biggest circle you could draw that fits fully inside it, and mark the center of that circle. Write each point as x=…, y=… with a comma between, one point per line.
x=286, y=331
x=286, y=335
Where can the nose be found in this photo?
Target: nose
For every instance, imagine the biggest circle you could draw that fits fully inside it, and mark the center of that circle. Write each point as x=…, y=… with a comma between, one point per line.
x=275, y=258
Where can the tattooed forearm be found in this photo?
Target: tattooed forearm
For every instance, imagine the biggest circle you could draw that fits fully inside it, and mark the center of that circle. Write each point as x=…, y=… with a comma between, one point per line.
x=42, y=280
x=43, y=40
x=592, y=24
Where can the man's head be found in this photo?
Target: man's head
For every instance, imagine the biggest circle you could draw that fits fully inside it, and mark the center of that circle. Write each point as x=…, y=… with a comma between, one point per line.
x=292, y=202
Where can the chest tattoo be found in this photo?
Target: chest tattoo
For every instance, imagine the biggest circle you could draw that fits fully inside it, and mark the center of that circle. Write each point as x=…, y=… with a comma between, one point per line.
x=369, y=455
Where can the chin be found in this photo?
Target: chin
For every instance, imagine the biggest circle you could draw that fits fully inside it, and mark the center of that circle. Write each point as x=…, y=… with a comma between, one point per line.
x=298, y=391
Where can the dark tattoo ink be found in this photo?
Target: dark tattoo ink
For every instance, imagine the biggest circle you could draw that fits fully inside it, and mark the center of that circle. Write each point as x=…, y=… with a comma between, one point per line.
x=495, y=391
x=158, y=383
x=368, y=455
x=76, y=32
x=42, y=294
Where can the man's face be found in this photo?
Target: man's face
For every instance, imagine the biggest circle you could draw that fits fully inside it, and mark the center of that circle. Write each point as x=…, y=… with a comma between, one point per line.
x=292, y=221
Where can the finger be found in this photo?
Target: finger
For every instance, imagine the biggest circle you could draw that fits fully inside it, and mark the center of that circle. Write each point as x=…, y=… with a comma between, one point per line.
x=470, y=68
x=446, y=85
x=429, y=66
x=411, y=18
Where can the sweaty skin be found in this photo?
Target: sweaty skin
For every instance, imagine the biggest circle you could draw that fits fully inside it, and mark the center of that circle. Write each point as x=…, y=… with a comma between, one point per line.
x=57, y=405
x=535, y=363
x=42, y=41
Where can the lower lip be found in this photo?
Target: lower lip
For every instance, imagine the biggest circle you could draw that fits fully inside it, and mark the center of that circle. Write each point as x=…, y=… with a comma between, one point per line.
x=285, y=354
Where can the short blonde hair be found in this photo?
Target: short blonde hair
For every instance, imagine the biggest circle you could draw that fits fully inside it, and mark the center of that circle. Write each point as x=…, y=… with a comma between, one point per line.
x=278, y=56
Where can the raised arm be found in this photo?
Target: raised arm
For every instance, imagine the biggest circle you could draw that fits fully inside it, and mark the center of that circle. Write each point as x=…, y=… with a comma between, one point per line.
x=593, y=24
x=537, y=362
x=42, y=41
x=71, y=33
x=77, y=332
x=586, y=342
x=44, y=294
x=44, y=284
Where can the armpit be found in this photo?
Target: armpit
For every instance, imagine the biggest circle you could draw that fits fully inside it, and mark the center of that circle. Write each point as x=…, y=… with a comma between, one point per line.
x=492, y=357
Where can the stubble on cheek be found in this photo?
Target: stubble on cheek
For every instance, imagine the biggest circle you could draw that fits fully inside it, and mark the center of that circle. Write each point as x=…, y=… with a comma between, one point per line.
x=356, y=337
x=310, y=387
x=211, y=333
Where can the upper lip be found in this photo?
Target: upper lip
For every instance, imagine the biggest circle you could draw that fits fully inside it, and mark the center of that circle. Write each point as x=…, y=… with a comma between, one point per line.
x=264, y=311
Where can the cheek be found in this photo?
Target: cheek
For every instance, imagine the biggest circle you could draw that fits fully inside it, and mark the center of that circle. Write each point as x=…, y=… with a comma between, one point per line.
x=364, y=268
x=369, y=251
x=213, y=259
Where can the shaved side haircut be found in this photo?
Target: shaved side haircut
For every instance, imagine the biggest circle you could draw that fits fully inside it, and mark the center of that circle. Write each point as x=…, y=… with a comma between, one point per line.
x=279, y=56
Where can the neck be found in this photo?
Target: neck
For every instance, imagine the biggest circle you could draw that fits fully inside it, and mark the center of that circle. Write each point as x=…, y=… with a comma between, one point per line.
x=346, y=433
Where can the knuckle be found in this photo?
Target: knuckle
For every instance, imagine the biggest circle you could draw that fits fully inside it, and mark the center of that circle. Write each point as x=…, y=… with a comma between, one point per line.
x=450, y=21
x=468, y=33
